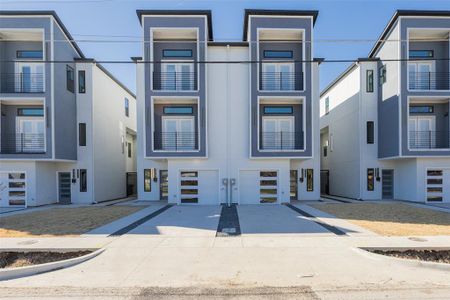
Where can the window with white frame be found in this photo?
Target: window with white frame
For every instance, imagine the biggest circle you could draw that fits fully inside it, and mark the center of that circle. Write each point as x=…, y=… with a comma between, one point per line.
x=178, y=133
x=278, y=76
x=177, y=76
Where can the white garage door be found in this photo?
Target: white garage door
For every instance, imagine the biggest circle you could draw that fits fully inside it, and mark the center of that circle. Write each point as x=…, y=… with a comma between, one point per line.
x=12, y=189
x=257, y=187
x=199, y=187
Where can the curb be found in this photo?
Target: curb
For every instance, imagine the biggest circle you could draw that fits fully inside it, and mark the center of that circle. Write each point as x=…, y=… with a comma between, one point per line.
x=12, y=273
x=405, y=261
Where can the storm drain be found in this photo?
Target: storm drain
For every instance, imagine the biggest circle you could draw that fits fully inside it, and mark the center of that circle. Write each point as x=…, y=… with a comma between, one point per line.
x=228, y=222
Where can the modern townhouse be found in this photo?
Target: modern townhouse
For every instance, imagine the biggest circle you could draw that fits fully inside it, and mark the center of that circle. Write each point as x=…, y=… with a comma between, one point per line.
x=228, y=122
x=67, y=127
x=385, y=121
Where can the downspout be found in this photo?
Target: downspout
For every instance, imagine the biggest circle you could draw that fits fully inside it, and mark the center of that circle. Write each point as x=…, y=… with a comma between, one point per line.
x=227, y=128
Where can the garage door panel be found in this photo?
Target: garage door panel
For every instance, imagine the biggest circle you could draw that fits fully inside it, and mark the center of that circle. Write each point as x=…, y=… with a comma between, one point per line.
x=208, y=187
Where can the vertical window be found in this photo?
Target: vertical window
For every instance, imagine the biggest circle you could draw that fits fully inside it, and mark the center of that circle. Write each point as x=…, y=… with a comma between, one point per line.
x=70, y=79
x=382, y=74
x=370, y=132
x=370, y=179
x=147, y=180
x=309, y=180
x=327, y=105
x=127, y=107
x=83, y=180
x=82, y=134
x=129, y=149
x=82, y=82
x=369, y=81
x=325, y=151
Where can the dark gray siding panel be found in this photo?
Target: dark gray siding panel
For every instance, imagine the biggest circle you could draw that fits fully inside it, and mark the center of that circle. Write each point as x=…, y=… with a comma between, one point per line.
x=388, y=127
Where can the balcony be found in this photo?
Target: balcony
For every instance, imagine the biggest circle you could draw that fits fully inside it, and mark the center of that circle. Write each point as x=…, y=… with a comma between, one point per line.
x=22, y=83
x=22, y=143
x=429, y=81
x=281, y=81
x=174, y=81
x=176, y=141
x=428, y=140
x=281, y=141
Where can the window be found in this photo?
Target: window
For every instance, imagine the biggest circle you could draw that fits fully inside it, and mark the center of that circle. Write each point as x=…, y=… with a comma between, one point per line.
x=30, y=112
x=309, y=180
x=278, y=133
x=382, y=74
x=70, y=79
x=82, y=82
x=422, y=109
x=369, y=81
x=178, y=110
x=82, y=134
x=370, y=179
x=269, y=110
x=278, y=54
x=178, y=133
x=83, y=180
x=370, y=132
x=127, y=107
x=325, y=151
x=327, y=105
x=421, y=53
x=147, y=180
x=176, y=76
x=29, y=54
x=278, y=76
x=177, y=53
x=129, y=150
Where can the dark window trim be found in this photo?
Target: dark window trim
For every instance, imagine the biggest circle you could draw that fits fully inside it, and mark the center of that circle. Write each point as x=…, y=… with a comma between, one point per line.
x=431, y=109
x=83, y=180
x=370, y=179
x=291, y=53
x=178, y=113
x=309, y=180
x=291, y=108
x=327, y=105
x=70, y=79
x=383, y=74
x=369, y=81
x=82, y=134
x=129, y=149
x=127, y=107
x=82, y=81
x=22, y=51
x=370, y=131
x=22, y=109
x=177, y=50
x=147, y=177
x=418, y=56
x=325, y=151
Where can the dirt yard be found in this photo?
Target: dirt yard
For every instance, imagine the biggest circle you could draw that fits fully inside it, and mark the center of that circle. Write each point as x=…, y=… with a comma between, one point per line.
x=391, y=219
x=23, y=259
x=62, y=221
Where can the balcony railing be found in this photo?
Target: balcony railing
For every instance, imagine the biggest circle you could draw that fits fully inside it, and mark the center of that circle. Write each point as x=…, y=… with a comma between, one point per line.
x=281, y=141
x=429, y=139
x=281, y=81
x=22, y=82
x=429, y=81
x=175, y=81
x=176, y=141
x=22, y=143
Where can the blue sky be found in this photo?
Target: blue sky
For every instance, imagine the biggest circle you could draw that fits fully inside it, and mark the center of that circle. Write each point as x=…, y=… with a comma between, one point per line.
x=338, y=20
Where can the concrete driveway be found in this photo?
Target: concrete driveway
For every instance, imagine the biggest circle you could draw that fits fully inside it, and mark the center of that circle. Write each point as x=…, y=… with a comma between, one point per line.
x=183, y=221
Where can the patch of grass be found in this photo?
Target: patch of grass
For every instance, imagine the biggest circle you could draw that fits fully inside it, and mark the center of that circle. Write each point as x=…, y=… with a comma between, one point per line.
x=391, y=219
x=441, y=256
x=22, y=259
x=62, y=221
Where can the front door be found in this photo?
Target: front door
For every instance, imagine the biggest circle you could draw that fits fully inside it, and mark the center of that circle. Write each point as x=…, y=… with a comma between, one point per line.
x=294, y=184
x=163, y=184
x=64, y=188
x=387, y=184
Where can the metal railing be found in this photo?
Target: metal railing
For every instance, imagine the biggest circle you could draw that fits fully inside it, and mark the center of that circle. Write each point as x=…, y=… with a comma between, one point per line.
x=22, y=82
x=175, y=81
x=429, y=81
x=176, y=141
x=281, y=141
x=281, y=81
x=429, y=140
x=22, y=143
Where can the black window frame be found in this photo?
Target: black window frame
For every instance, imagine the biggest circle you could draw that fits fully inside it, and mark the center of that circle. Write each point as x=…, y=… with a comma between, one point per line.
x=430, y=109
x=370, y=179
x=383, y=74
x=70, y=79
x=370, y=132
x=325, y=151
x=421, y=56
x=20, y=112
x=147, y=180
x=266, y=108
x=129, y=150
x=83, y=180
x=82, y=134
x=309, y=180
x=280, y=52
x=176, y=50
x=369, y=81
x=127, y=107
x=19, y=52
x=167, y=108
x=81, y=81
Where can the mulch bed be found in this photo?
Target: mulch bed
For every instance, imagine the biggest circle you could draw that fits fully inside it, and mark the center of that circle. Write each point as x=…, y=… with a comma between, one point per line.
x=440, y=256
x=22, y=259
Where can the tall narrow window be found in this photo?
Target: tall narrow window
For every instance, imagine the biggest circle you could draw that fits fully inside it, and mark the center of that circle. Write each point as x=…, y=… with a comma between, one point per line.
x=309, y=180
x=82, y=82
x=147, y=180
x=82, y=134
x=83, y=180
x=327, y=105
x=369, y=81
x=370, y=179
x=370, y=132
x=129, y=149
x=127, y=107
x=70, y=79
x=382, y=74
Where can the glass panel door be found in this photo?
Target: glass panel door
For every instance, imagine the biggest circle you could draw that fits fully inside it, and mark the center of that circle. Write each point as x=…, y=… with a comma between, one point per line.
x=287, y=78
x=269, y=77
x=30, y=135
x=178, y=133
